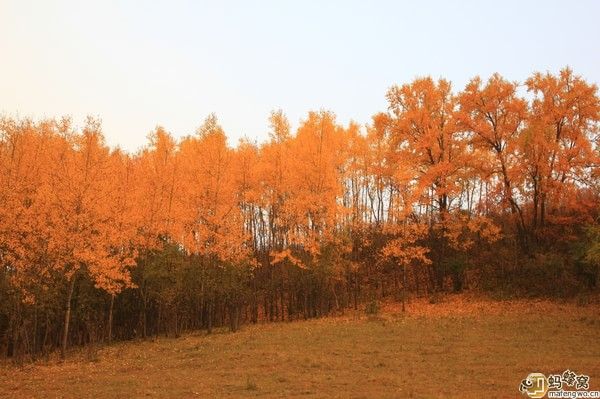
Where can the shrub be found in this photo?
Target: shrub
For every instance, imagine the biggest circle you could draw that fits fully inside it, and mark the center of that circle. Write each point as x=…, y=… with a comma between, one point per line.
x=372, y=307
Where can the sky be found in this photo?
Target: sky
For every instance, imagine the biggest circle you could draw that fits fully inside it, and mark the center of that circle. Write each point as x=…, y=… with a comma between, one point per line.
x=139, y=64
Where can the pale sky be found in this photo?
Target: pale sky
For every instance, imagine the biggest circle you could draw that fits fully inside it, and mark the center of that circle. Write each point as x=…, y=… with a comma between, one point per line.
x=139, y=64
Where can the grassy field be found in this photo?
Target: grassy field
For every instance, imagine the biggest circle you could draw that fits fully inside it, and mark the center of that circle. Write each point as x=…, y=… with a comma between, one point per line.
x=455, y=349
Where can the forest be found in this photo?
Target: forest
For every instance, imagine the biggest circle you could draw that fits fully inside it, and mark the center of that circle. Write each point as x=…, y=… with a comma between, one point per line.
x=494, y=188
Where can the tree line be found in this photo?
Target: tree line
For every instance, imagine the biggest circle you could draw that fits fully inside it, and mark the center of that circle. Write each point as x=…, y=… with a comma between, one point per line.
x=495, y=188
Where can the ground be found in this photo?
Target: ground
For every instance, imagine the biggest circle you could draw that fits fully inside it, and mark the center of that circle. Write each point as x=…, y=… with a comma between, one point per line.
x=460, y=348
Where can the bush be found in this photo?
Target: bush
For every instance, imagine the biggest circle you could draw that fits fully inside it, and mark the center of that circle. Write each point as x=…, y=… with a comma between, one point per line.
x=372, y=308
x=435, y=297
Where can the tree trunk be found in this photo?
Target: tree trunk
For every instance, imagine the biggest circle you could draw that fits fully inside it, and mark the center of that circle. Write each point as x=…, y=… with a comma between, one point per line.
x=46, y=332
x=143, y=317
x=35, y=330
x=281, y=303
x=209, y=318
x=65, y=337
x=355, y=290
x=403, y=288
x=110, y=317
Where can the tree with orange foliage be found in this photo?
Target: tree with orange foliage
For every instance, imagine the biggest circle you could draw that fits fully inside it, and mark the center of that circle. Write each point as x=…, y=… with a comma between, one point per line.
x=80, y=218
x=495, y=115
x=405, y=249
x=427, y=141
x=156, y=183
x=558, y=142
x=426, y=138
x=212, y=222
x=195, y=233
x=317, y=158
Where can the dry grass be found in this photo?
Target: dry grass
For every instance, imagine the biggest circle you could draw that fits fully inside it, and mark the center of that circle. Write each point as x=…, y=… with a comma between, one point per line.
x=462, y=347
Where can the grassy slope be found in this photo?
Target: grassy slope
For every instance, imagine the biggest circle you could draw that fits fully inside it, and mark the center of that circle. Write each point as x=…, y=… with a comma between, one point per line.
x=482, y=350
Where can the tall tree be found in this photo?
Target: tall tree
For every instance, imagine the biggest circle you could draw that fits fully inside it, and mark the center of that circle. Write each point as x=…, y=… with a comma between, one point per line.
x=495, y=115
x=558, y=142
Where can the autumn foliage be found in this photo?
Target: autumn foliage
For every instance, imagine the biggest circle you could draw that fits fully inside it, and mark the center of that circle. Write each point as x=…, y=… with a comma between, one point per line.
x=494, y=187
